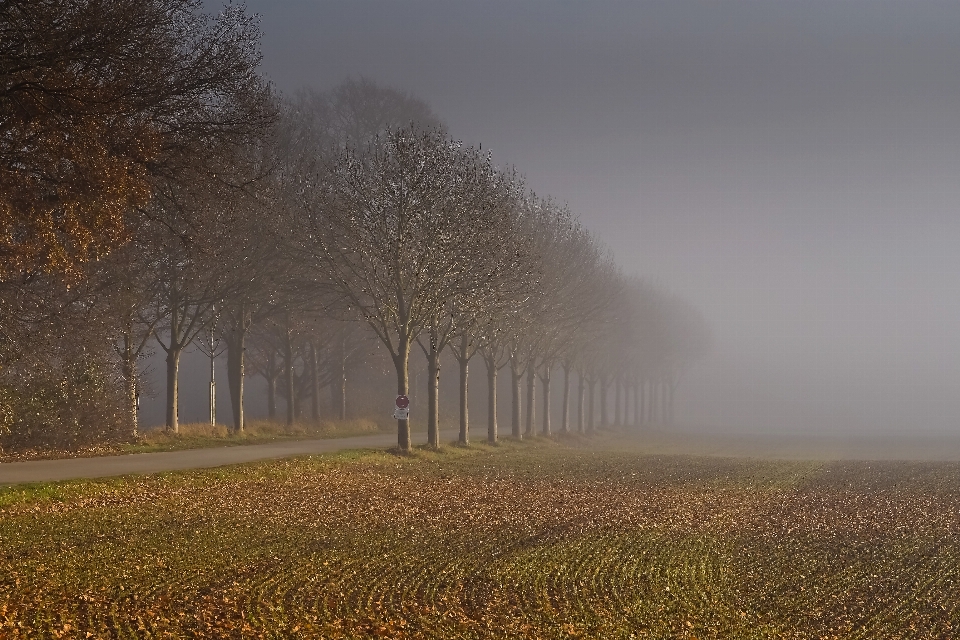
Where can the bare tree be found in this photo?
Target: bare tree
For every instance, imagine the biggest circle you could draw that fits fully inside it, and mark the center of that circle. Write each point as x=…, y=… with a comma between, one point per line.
x=125, y=278
x=212, y=346
x=570, y=293
x=400, y=234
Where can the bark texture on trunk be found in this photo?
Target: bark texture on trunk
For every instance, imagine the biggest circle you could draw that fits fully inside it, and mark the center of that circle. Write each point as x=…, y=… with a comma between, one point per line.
x=315, y=380
x=235, y=378
x=433, y=399
x=173, y=391
x=545, y=379
x=491, y=402
x=401, y=363
x=464, y=396
x=131, y=386
x=516, y=376
x=531, y=400
x=213, y=389
x=236, y=339
x=288, y=376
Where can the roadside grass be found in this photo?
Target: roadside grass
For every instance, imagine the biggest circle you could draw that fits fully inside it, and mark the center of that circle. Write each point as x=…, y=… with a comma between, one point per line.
x=547, y=538
x=199, y=435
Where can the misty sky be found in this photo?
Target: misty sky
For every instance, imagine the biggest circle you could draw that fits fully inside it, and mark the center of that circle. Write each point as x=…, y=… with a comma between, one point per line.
x=789, y=167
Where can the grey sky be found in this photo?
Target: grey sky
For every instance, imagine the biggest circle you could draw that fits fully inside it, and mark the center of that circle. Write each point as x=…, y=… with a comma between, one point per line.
x=790, y=167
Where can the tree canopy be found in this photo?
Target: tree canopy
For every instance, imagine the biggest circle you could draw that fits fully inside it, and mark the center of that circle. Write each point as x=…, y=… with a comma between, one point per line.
x=96, y=98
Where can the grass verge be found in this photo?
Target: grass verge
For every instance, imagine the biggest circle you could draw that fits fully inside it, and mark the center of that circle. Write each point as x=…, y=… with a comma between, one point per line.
x=200, y=435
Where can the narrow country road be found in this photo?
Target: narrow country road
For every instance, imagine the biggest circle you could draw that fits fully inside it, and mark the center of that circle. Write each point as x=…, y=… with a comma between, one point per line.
x=823, y=447
x=105, y=466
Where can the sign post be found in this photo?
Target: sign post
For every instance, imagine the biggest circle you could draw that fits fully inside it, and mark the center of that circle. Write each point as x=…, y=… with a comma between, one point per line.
x=402, y=410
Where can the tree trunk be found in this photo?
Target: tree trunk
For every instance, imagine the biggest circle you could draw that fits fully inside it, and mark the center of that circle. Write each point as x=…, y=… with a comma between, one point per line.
x=626, y=403
x=647, y=401
x=342, y=377
x=315, y=380
x=616, y=402
x=464, y=395
x=433, y=400
x=272, y=397
x=491, y=401
x=297, y=398
x=531, y=399
x=515, y=378
x=236, y=363
x=401, y=363
x=288, y=376
x=637, y=404
x=213, y=386
x=654, y=402
x=565, y=410
x=433, y=392
x=603, y=402
x=581, y=392
x=173, y=392
x=235, y=378
x=591, y=425
x=546, y=400
x=131, y=388
x=173, y=364
x=664, y=404
x=342, y=392
x=655, y=406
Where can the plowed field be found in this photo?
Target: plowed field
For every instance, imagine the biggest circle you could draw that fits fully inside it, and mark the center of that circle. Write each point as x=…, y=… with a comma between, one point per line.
x=531, y=540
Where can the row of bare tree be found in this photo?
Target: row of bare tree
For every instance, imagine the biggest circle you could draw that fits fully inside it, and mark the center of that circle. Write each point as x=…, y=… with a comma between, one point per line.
x=293, y=231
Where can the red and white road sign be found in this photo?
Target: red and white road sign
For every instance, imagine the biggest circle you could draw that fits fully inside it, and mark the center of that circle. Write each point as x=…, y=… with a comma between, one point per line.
x=403, y=402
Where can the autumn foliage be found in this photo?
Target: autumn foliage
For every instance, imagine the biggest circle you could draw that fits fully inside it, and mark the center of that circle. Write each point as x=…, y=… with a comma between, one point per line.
x=103, y=104
x=520, y=541
x=94, y=98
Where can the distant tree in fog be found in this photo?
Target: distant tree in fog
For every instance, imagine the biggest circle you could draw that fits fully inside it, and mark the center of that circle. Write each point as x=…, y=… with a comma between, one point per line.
x=687, y=340
x=661, y=336
x=571, y=289
x=353, y=114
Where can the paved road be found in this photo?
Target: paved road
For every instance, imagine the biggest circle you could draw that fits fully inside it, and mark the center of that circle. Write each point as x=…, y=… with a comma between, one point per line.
x=105, y=466
x=808, y=447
